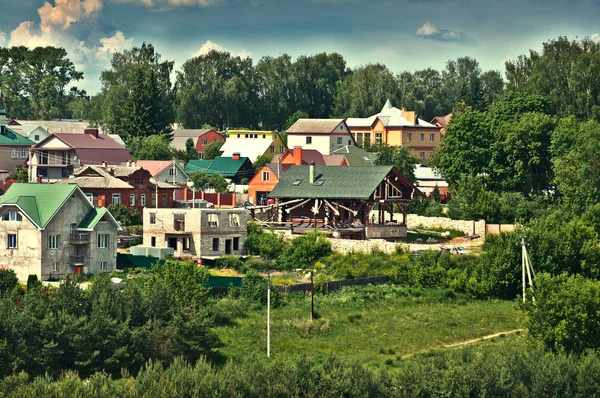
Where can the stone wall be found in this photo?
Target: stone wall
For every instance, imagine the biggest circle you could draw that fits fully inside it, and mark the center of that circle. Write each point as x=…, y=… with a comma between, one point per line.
x=349, y=245
x=414, y=221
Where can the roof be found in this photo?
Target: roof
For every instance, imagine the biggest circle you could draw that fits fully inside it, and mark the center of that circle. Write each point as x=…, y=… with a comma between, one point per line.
x=94, y=216
x=26, y=130
x=427, y=173
x=197, y=165
x=228, y=167
x=390, y=116
x=339, y=182
x=124, y=171
x=334, y=160
x=442, y=120
x=95, y=177
x=93, y=150
x=60, y=126
x=39, y=202
x=190, y=133
x=155, y=167
x=356, y=156
x=251, y=149
x=11, y=137
x=179, y=142
x=323, y=126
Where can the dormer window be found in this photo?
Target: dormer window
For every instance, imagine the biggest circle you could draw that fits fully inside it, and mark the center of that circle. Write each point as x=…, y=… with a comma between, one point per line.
x=12, y=216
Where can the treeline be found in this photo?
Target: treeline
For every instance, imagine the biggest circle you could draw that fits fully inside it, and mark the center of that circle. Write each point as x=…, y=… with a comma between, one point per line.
x=506, y=369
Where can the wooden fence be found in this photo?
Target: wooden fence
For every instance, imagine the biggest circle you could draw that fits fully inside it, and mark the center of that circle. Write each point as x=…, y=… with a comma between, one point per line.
x=334, y=285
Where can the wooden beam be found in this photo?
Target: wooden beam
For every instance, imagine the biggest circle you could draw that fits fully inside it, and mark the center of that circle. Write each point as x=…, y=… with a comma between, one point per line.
x=298, y=205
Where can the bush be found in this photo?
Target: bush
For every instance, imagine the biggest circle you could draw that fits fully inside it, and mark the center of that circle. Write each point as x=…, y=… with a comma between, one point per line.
x=124, y=215
x=304, y=251
x=8, y=281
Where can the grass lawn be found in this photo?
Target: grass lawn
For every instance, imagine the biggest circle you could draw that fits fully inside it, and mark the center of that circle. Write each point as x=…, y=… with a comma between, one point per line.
x=372, y=324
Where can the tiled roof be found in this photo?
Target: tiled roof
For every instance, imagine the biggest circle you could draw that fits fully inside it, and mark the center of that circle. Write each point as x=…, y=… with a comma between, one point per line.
x=39, y=201
x=339, y=182
x=323, y=126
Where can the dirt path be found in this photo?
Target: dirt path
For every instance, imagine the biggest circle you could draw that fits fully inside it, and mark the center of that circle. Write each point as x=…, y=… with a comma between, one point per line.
x=466, y=342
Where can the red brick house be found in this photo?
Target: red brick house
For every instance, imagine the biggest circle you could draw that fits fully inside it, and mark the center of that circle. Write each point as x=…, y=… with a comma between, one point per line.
x=131, y=186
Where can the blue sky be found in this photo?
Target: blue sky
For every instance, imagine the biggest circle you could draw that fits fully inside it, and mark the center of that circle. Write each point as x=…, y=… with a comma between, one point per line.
x=402, y=34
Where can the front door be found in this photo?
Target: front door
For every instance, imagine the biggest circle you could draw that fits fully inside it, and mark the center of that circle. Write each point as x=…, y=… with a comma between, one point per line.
x=227, y=246
x=173, y=243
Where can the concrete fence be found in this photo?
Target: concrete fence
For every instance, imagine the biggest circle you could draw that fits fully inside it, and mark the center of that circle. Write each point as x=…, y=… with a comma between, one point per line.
x=496, y=229
x=334, y=285
x=469, y=227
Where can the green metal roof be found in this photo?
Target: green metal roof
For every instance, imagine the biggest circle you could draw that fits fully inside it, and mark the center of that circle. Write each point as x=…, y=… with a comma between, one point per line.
x=92, y=218
x=357, y=156
x=11, y=138
x=39, y=201
x=228, y=167
x=197, y=165
x=338, y=182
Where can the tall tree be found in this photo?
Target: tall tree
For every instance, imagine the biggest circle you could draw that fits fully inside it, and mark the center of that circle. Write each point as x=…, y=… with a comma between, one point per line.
x=402, y=158
x=276, y=90
x=137, y=94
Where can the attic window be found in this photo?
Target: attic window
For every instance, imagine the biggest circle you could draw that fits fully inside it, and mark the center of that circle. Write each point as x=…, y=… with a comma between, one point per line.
x=366, y=159
x=12, y=216
x=319, y=182
x=297, y=182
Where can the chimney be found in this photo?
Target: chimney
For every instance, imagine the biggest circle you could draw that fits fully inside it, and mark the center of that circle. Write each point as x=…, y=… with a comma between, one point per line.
x=311, y=172
x=133, y=163
x=236, y=156
x=129, y=163
x=104, y=163
x=92, y=132
x=403, y=109
x=297, y=155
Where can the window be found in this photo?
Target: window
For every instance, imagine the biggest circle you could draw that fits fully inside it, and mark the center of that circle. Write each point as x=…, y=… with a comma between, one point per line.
x=139, y=181
x=432, y=137
x=14, y=153
x=152, y=218
x=236, y=243
x=266, y=176
x=36, y=138
x=213, y=220
x=54, y=242
x=280, y=148
x=204, y=141
x=116, y=198
x=340, y=140
x=296, y=183
x=56, y=267
x=103, y=241
x=154, y=199
x=245, y=135
x=185, y=243
x=165, y=199
x=24, y=153
x=422, y=137
x=89, y=197
x=215, y=245
x=264, y=136
x=239, y=135
x=408, y=137
x=272, y=149
x=172, y=171
x=234, y=220
x=349, y=142
x=153, y=241
x=309, y=140
x=255, y=135
x=359, y=139
x=275, y=136
x=422, y=155
x=132, y=199
x=103, y=265
x=367, y=138
x=12, y=216
x=378, y=138
x=143, y=199
x=12, y=241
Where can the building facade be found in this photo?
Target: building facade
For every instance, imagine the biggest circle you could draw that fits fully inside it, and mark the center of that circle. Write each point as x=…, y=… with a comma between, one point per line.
x=51, y=230
x=323, y=135
x=253, y=144
x=14, y=150
x=197, y=233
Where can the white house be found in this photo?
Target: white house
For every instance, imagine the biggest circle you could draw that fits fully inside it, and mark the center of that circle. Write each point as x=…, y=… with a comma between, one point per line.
x=323, y=135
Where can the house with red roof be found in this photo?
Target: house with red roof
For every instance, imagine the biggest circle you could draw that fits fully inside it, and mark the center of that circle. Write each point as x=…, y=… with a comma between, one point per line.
x=201, y=138
x=165, y=170
x=442, y=122
x=57, y=156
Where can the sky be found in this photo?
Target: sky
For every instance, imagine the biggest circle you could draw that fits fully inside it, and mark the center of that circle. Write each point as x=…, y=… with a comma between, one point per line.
x=405, y=35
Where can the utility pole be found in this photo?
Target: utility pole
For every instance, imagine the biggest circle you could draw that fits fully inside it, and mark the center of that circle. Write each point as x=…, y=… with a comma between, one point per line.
x=173, y=172
x=526, y=268
x=268, y=314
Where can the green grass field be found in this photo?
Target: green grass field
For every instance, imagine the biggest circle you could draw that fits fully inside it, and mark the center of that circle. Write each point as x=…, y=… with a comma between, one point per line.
x=372, y=324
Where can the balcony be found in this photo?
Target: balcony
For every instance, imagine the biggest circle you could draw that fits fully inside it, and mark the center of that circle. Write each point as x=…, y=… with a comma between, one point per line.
x=77, y=260
x=79, y=238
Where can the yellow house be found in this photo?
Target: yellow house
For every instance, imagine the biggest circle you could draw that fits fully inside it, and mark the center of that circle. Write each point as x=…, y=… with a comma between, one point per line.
x=253, y=143
x=396, y=127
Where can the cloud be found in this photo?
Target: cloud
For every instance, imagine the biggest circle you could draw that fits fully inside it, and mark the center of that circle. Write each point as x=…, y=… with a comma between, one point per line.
x=209, y=45
x=185, y=3
x=430, y=31
x=2, y=38
x=596, y=37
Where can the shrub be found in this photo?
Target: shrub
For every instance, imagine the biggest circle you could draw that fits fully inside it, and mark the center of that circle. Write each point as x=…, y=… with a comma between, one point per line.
x=8, y=281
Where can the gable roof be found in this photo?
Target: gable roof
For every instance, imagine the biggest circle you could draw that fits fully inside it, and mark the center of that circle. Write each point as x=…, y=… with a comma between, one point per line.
x=92, y=150
x=10, y=137
x=442, y=120
x=95, y=177
x=155, y=167
x=390, y=116
x=39, y=202
x=251, y=149
x=94, y=216
x=322, y=126
x=340, y=182
x=228, y=167
x=60, y=126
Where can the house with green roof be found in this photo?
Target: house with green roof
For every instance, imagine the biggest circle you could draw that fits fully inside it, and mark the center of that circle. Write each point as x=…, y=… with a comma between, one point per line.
x=51, y=230
x=234, y=168
x=14, y=150
x=339, y=200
